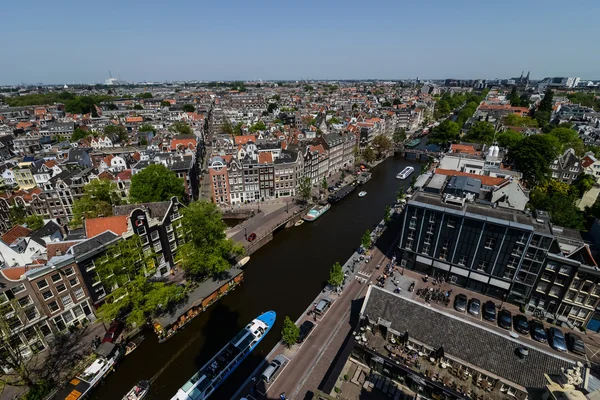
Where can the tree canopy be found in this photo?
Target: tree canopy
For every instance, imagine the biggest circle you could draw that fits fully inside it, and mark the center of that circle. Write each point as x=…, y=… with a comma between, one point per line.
x=79, y=134
x=155, y=183
x=369, y=155
x=259, y=126
x=290, y=332
x=508, y=139
x=558, y=198
x=517, y=120
x=568, y=138
x=481, y=132
x=399, y=135
x=119, y=130
x=165, y=103
x=533, y=156
x=305, y=189
x=181, y=128
x=34, y=222
x=445, y=132
x=188, y=108
x=366, y=240
x=336, y=275
x=98, y=198
x=146, y=127
x=381, y=144
x=73, y=103
x=206, y=251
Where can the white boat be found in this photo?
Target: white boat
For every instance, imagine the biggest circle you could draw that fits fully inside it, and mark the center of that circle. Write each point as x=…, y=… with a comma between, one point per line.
x=131, y=346
x=362, y=194
x=138, y=392
x=405, y=173
x=316, y=212
x=299, y=222
x=243, y=262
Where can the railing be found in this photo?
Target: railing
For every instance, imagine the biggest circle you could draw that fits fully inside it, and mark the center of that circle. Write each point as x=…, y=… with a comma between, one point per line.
x=281, y=222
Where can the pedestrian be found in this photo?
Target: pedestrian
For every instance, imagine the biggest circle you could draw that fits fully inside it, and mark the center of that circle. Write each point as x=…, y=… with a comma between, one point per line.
x=282, y=396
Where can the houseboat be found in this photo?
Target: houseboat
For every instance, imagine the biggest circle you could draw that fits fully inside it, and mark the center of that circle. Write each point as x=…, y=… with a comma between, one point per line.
x=316, y=212
x=412, y=143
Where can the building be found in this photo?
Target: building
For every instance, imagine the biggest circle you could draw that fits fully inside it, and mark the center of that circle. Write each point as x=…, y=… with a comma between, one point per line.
x=567, y=167
x=558, y=83
x=219, y=180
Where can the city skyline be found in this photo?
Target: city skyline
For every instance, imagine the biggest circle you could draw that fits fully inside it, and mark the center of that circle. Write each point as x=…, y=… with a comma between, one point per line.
x=340, y=40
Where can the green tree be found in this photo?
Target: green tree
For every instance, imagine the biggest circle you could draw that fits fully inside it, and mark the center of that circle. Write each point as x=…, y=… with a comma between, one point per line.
x=165, y=103
x=547, y=103
x=481, y=132
x=399, y=135
x=324, y=184
x=98, y=198
x=514, y=98
x=79, y=134
x=558, y=198
x=138, y=107
x=259, y=126
x=396, y=102
x=155, y=183
x=181, y=128
x=366, y=240
x=34, y=222
x=146, y=128
x=533, y=156
x=517, y=120
x=568, y=138
x=400, y=195
x=305, y=189
x=17, y=215
x=144, y=95
x=272, y=107
x=188, y=108
x=206, y=251
x=336, y=275
x=445, y=132
x=119, y=130
x=369, y=155
x=582, y=185
x=290, y=332
x=227, y=128
x=508, y=139
x=387, y=215
x=382, y=144
x=442, y=108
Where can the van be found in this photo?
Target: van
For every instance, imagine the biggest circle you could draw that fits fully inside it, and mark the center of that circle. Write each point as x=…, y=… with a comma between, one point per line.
x=322, y=306
x=270, y=372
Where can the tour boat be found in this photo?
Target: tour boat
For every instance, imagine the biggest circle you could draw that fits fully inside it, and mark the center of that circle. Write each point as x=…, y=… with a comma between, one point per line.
x=405, y=173
x=316, y=212
x=362, y=194
x=131, y=346
x=412, y=143
x=299, y=222
x=204, y=382
x=138, y=392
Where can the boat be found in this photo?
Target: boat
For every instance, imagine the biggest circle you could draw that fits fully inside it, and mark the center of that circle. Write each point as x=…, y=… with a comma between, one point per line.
x=363, y=178
x=362, y=194
x=132, y=345
x=412, y=143
x=138, y=392
x=299, y=222
x=316, y=212
x=340, y=194
x=405, y=173
x=204, y=382
x=242, y=262
x=80, y=386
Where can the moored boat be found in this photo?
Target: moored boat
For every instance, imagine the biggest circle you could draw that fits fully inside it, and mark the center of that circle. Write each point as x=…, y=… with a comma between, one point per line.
x=412, y=143
x=138, y=392
x=243, y=262
x=133, y=344
x=405, y=173
x=299, y=222
x=316, y=212
x=362, y=194
x=204, y=382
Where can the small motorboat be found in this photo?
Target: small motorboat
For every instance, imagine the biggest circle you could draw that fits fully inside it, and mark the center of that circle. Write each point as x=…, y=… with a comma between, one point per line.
x=138, y=392
x=362, y=194
x=131, y=346
x=299, y=222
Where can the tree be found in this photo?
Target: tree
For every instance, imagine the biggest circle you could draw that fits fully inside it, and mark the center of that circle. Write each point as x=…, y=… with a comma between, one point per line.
x=508, y=139
x=517, y=120
x=79, y=134
x=366, y=240
x=138, y=107
x=227, y=128
x=259, y=126
x=117, y=130
x=126, y=268
x=155, y=183
x=34, y=222
x=272, y=107
x=442, y=108
x=382, y=145
x=568, y=138
x=369, y=155
x=514, y=98
x=290, y=332
x=324, y=184
x=17, y=215
x=546, y=103
x=558, y=198
x=98, y=198
x=146, y=128
x=165, y=103
x=399, y=135
x=481, y=132
x=181, y=128
x=396, y=102
x=206, y=251
x=445, y=132
x=188, y=108
x=336, y=275
x=387, y=215
x=305, y=189
x=145, y=95
x=400, y=195
x=583, y=184
x=533, y=155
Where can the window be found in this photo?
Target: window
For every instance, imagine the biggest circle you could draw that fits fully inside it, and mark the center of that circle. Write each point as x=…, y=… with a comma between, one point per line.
x=18, y=289
x=144, y=240
x=69, y=271
x=56, y=277
x=79, y=293
x=587, y=286
x=489, y=243
x=25, y=301
x=522, y=238
x=482, y=265
x=154, y=235
x=571, y=295
x=66, y=300
x=551, y=266
x=555, y=291
x=580, y=298
x=31, y=313
x=445, y=244
x=173, y=246
x=451, y=223
x=53, y=306
x=547, y=276
x=61, y=288
x=462, y=260
x=542, y=287
x=42, y=284
x=45, y=330
x=443, y=254
x=412, y=225
x=47, y=294
x=141, y=230
x=169, y=228
x=74, y=281
x=426, y=249
x=564, y=270
x=590, y=301
x=60, y=324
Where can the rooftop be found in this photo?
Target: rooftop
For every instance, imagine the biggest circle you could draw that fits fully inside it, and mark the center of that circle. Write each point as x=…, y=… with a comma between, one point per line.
x=116, y=224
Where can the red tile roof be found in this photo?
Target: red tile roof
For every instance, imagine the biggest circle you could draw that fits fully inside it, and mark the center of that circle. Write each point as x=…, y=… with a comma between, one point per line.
x=95, y=226
x=265, y=157
x=14, y=274
x=130, y=120
x=50, y=163
x=485, y=180
x=243, y=139
x=463, y=148
x=189, y=143
x=59, y=248
x=14, y=233
x=124, y=175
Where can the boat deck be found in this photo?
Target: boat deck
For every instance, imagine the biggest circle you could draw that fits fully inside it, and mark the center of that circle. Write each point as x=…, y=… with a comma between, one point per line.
x=220, y=362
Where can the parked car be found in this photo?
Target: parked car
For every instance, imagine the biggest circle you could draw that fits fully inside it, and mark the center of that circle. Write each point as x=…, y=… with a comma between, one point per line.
x=251, y=237
x=270, y=372
x=305, y=330
x=537, y=331
x=322, y=306
x=460, y=302
x=557, y=339
x=505, y=319
x=521, y=324
x=113, y=332
x=489, y=311
x=474, y=307
x=575, y=344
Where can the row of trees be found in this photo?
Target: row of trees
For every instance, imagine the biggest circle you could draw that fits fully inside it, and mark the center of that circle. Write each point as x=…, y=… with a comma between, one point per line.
x=73, y=103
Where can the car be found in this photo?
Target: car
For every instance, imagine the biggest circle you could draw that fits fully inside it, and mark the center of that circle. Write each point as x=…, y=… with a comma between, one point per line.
x=474, y=307
x=270, y=372
x=114, y=330
x=575, y=344
x=489, y=311
x=536, y=328
x=521, y=324
x=305, y=330
x=331, y=188
x=557, y=339
x=460, y=302
x=251, y=237
x=322, y=306
x=505, y=319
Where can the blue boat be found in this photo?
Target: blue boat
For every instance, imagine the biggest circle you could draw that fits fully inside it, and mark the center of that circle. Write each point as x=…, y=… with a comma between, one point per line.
x=204, y=382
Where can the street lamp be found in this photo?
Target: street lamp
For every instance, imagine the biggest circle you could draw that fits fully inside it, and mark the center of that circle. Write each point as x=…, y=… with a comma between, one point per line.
x=246, y=232
x=287, y=205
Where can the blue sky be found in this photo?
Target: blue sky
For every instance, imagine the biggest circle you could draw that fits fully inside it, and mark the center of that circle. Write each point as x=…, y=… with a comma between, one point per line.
x=70, y=41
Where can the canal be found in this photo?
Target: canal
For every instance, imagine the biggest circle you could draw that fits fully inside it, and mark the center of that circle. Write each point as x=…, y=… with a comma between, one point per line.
x=285, y=276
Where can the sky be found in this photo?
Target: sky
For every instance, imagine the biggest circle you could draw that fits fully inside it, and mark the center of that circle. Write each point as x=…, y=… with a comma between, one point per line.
x=69, y=41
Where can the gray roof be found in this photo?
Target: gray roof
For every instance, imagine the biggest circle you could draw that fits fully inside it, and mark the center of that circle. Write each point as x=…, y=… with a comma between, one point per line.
x=467, y=341
x=97, y=243
x=465, y=183
x=155, y=210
